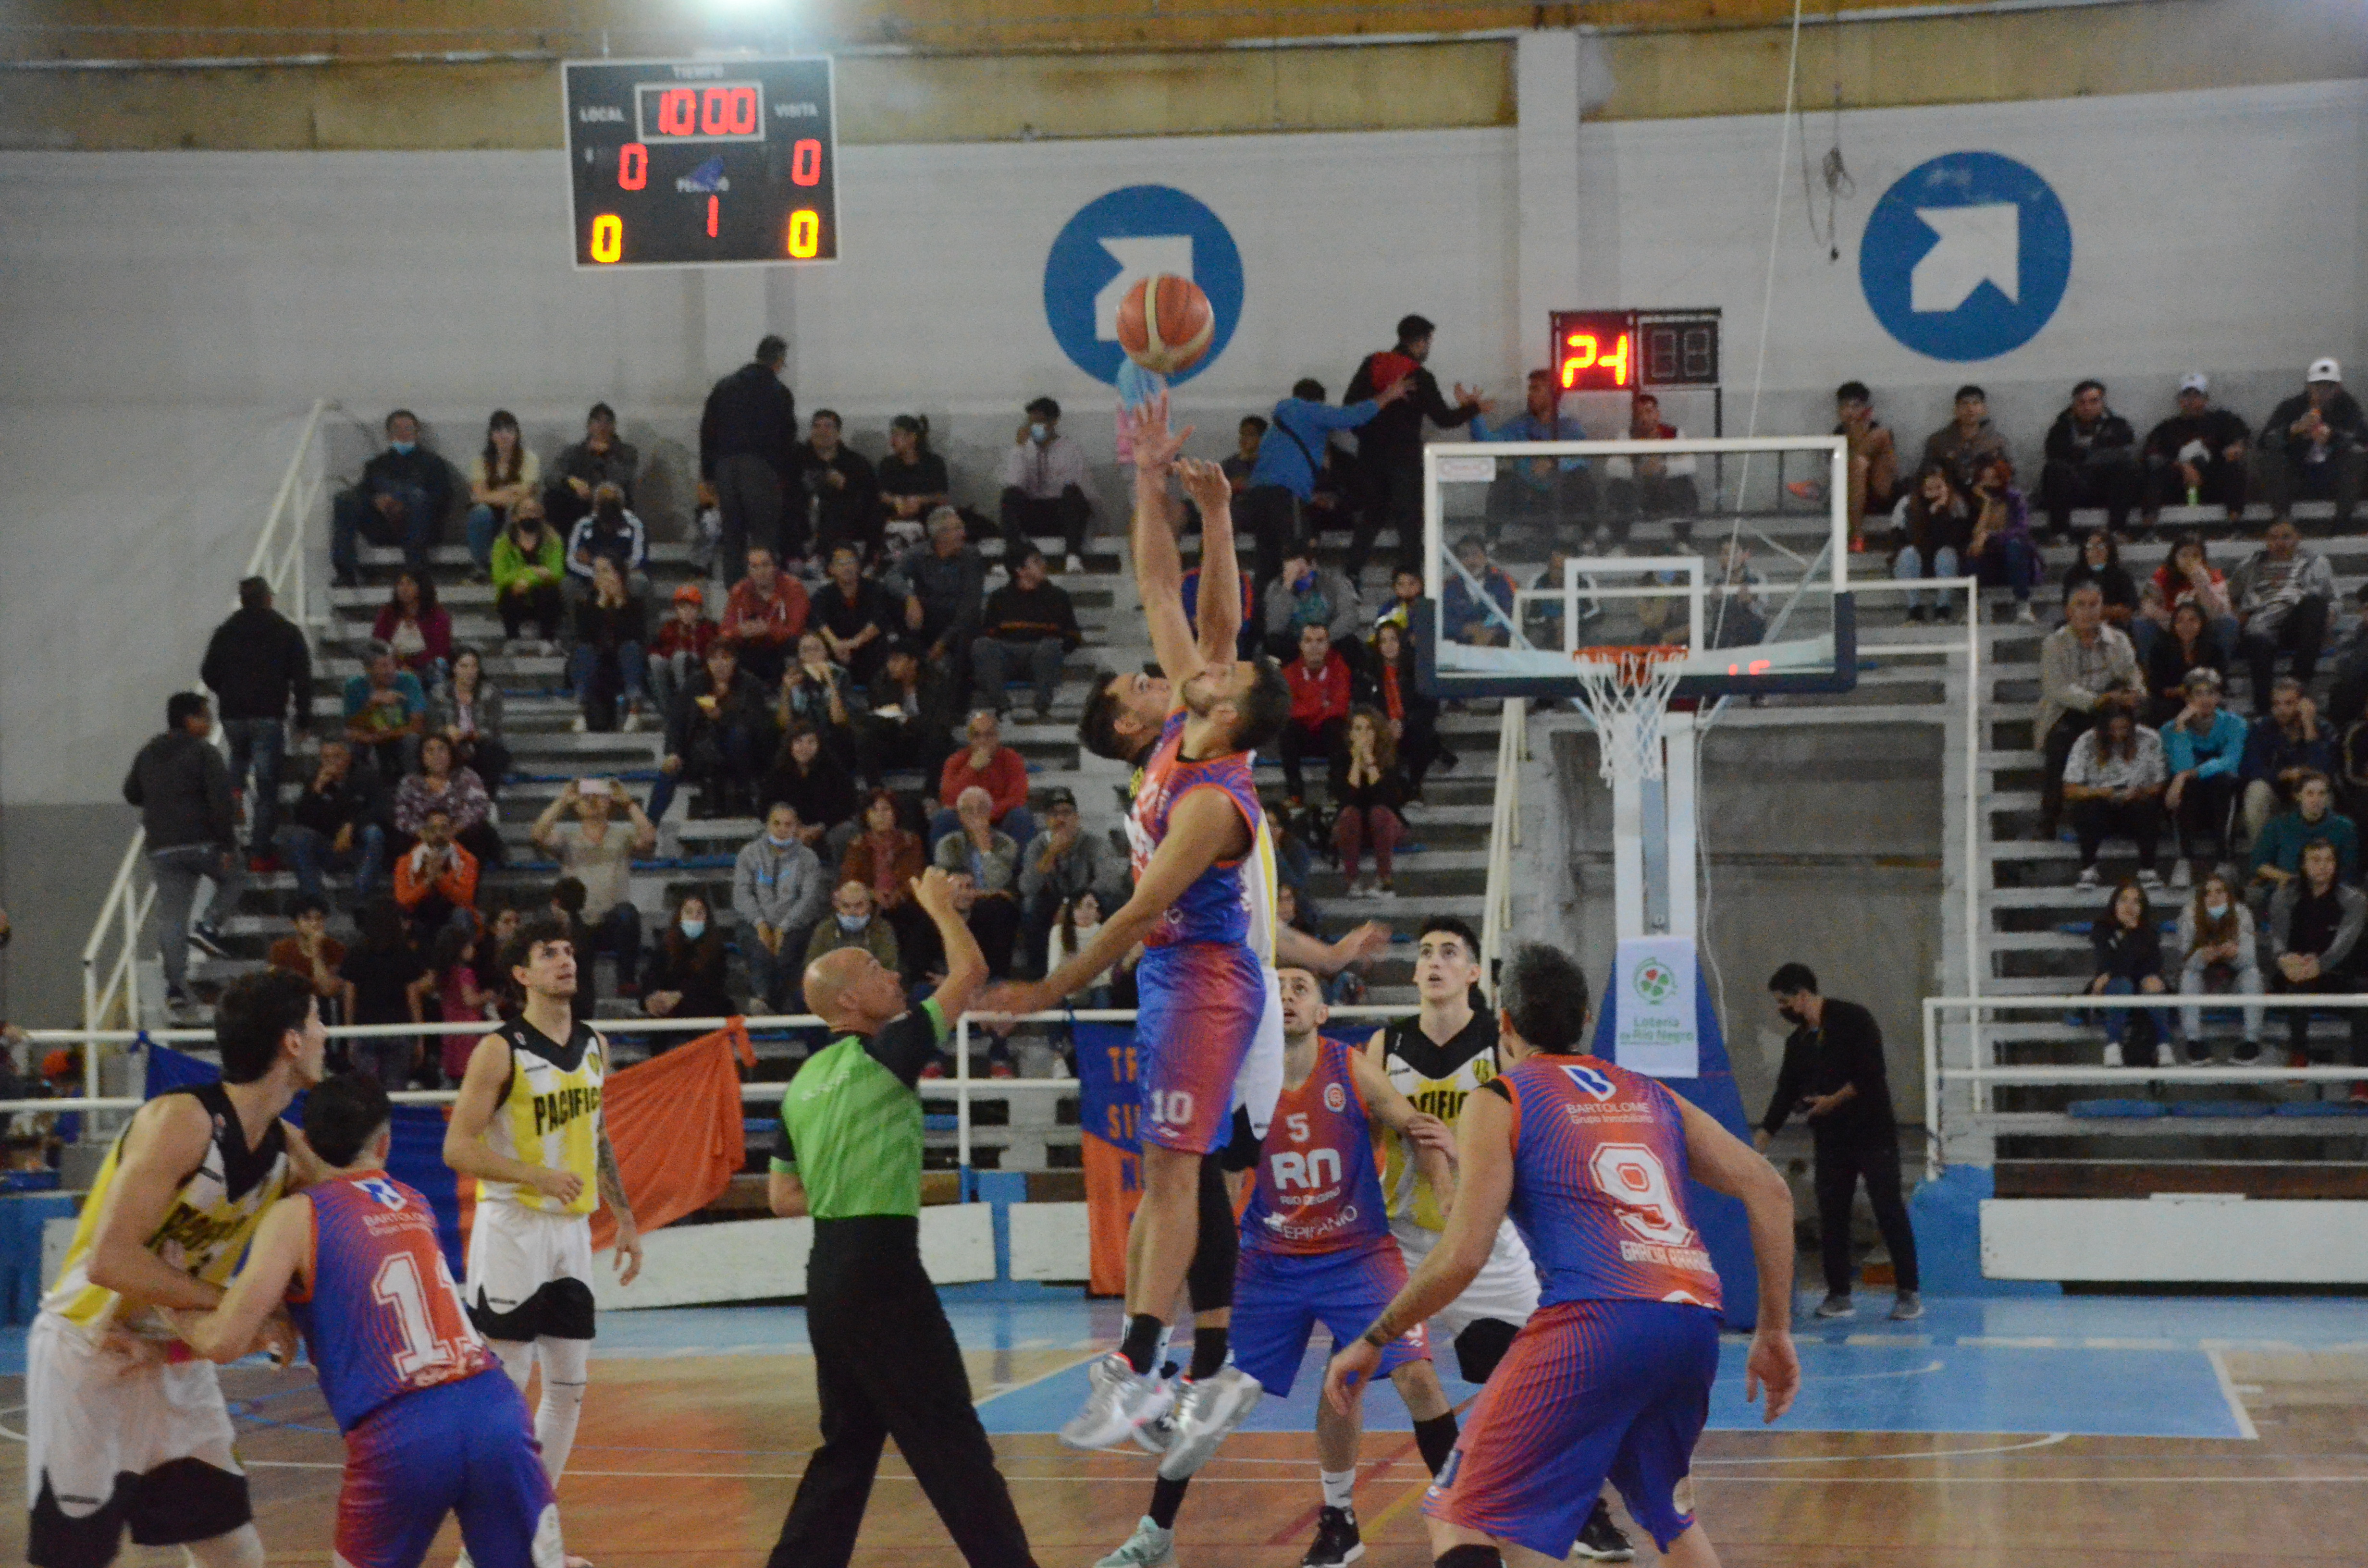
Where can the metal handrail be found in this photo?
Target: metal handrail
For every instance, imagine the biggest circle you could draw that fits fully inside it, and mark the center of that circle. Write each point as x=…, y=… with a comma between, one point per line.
x=1504, y=837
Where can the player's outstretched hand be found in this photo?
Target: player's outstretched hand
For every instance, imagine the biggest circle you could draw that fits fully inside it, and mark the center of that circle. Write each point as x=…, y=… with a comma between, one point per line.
x=628, y=1251
x=1002, y=1002
x=1155, y=447
x=1369, y=940
x=1773, y=1366
x=1352, y=1367
x=934, y=891
x=1206, y=483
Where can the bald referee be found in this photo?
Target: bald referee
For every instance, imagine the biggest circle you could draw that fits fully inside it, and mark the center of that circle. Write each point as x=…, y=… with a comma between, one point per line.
x=886, y=1361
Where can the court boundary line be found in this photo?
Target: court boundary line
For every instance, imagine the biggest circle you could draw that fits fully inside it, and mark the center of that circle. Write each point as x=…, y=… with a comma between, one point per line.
x=2235, y=1403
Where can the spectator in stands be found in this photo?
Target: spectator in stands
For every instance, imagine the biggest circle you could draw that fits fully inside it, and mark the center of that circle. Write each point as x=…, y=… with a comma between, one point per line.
x=418, y=629
x=2092, y=460
x=1736, y=619
x=780, y=889
x=1074, y=924
x=1304, y=595
x=310, y=952
x=2315, y=923
x=334, y=826
x=1028, y=625
x=608, y=532
x=680, y=647
x=461, y=968
x=2114, y=778
x=468, y=712
x=990, y=861
x=261, y=674
x=401, y=499
x=2284, y=596
x=2128, y=945
x=386, y=713
x=910, y=722
x=1044, y=481
x=435, y=881
x=823, y=696
x=2286, y=742
x=1064, y=861
x=2099, y=562
x=1875, y=485
x=2196, y=457
x=1248, y=438
x=527, y=565
x=183, y=795
x=600, y=458
x=1557, y=492
x=912, y=479
x=2086, y=670
x=2277, y=850
x=2315, y=445
x=1651, y=487
x=1369, y=790
x=607, y=666
x=747, y=458
x=2188, y=645
x=884, y=858
x=441, y=785
x=385, y=982
x=845, y=493
x=1320, y=689
x=1412, y=718
x=1968, y=443
x=716, y=738
x=598, y=852
x=946, y=585
x=2215, y=932
x=566, y=905
x=809, y=778
x=854, y=615
x=2188, y=574
x=854, y=922
x=764, y=616
x=2204, y=746
x=1463, y=615
x=1405, y=590
x=2001, y=548
x=1389, y=443
x=505, y=472
x=986, y=762
x=1939, y=527
x=685, y=976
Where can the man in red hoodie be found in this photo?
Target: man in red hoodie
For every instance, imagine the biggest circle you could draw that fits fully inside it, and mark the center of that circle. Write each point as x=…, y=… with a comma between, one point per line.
x=985, y=763
x=1319, y=706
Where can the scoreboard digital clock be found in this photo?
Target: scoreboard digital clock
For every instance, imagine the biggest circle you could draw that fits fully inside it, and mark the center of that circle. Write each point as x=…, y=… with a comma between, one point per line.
x=694, y=162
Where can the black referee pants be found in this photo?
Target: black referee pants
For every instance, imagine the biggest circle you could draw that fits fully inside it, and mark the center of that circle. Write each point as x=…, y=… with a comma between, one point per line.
x=1839, y=1167
x=886, y=1365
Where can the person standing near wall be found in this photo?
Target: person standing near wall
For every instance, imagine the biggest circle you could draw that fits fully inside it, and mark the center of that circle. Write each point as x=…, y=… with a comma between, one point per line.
x=261, y=672
x=1389, y=446
x=747, y=452
x=182, y=788
x=1833, y=1073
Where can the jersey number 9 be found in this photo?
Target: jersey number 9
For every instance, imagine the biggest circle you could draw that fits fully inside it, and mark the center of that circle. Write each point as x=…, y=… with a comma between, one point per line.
x=1633, y=1177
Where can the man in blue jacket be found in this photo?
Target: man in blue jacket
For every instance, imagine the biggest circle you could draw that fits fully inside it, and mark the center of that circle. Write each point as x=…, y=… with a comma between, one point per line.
x=1289, y=458
x=2203, y=747
x=1548, y=490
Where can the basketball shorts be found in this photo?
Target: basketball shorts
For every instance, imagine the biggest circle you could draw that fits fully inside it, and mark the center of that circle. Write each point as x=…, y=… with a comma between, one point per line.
x=1280, y=1297
x=114, y=1444
x=1506, y=1288
x=464, y=1447
x=1590, y=1391
x=1200, y=1010
x=1260, y=1085
x=530, y=1274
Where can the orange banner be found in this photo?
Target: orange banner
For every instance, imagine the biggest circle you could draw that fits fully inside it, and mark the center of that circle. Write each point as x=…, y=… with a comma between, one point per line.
x=676, y=1122
x=1113, y=1187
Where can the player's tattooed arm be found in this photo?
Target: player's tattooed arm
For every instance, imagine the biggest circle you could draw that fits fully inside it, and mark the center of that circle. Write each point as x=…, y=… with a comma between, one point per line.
x=612, y=1192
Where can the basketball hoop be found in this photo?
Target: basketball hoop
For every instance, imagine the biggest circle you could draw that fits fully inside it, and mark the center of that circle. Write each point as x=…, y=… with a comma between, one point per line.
x=1624, y=688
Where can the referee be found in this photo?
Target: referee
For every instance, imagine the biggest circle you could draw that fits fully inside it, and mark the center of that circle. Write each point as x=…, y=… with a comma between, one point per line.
x=886, y=1361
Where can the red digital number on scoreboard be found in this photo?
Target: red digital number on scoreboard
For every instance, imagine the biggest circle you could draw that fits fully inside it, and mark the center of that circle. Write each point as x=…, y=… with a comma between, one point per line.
x=1595, y=351
x=688, y=113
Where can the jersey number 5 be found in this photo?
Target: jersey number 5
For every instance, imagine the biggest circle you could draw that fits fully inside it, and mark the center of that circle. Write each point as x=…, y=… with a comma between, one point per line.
x=1633, y=1177
x=398, y=1285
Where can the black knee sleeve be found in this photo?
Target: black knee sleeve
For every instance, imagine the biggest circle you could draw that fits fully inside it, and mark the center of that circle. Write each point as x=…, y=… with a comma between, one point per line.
x=1209, y=1279
x=1469, y=1557
x=1481, y=1345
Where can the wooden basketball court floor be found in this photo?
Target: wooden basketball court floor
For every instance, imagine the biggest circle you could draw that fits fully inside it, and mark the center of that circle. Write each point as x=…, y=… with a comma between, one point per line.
x=1995, y=1433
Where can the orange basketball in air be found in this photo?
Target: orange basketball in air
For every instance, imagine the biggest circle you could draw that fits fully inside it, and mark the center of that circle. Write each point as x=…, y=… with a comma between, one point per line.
x=1165, y=323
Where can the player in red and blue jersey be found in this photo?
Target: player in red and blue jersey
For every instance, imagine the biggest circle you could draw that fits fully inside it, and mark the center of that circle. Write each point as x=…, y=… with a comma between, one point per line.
x=1611, y=1377
x=433, y=1424
x=1195, y=830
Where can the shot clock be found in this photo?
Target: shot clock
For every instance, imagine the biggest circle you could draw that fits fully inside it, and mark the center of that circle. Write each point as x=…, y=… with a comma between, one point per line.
x=1620, y=351
x=693, y=162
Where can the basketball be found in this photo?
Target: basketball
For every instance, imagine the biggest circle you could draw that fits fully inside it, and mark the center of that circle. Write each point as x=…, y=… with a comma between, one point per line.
x=1165, y=323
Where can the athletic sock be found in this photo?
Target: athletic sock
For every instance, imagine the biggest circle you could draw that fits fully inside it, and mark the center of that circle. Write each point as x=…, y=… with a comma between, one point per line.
x=1166, y=1497
x=1208, y=1351
x=1340, y=1488
x=1436, y=1438
x=1141, y=1346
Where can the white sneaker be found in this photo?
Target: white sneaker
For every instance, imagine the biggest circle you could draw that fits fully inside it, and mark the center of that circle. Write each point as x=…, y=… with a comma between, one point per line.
x=1206, y=1414
x=632, y=720
x=580, y=725
x=2182, y=875
x=1148, y=1547
x=2113, y=1054
x=1076, y=564
x=1121, y=1400
x=1158, y=1435
x=2024, y=614
x=2088, y=877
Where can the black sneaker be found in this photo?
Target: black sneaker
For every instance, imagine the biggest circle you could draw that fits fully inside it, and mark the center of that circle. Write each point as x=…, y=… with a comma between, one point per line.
x=2246, y=1053
x=1600, y=1540
x=1336, y=1541
x=208, y=941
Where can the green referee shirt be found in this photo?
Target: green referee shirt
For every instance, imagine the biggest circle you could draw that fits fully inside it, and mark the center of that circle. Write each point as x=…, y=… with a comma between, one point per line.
x=851, y=1121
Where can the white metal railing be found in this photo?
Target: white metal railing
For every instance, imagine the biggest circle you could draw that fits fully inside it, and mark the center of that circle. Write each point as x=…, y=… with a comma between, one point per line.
x=1504, y=837
x=110, y=970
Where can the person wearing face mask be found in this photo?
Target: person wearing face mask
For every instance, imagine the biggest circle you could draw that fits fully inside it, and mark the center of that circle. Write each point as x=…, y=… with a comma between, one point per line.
x=401, y=499
x=684, y=977
x=780, y=888
x=2215, y=932
x=1833, y=1073
x=853, y=923
x=1044, y=481
x=607, y=529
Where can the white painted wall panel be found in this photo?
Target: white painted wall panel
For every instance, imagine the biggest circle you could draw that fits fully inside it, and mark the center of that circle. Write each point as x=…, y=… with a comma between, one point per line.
x=745, y=1260
x=2173, y=1240
x=1050, y=1241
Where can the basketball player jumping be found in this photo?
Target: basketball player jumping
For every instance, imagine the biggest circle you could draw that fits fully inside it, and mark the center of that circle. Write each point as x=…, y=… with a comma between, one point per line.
x=432, y=1426
x=1611, y=1377
x=528, y=1125
x=122, y=1431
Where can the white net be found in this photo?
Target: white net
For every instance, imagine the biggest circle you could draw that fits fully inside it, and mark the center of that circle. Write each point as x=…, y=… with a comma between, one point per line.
x=1624, y=691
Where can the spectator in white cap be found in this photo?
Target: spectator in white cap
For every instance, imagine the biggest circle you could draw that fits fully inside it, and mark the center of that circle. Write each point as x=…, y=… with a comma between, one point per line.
x=2313, y=446
x=2196, y=457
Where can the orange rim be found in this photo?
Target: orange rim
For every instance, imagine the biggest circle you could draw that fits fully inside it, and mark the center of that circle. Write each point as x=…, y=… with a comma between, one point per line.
x=1632, y=663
